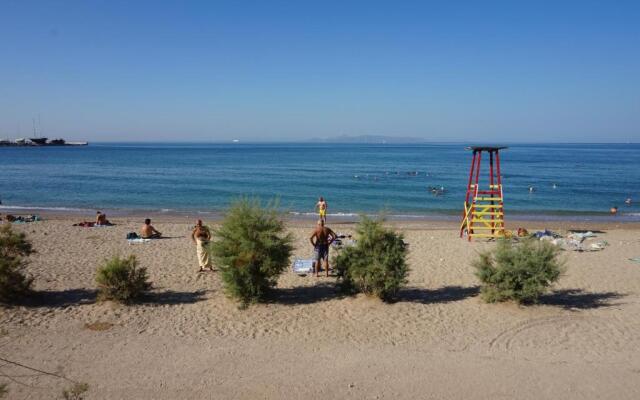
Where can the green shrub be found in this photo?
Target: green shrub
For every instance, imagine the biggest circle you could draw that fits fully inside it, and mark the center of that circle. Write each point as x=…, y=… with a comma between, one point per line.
x=121, y=279
x=14, y=284
x=377, y=264
x=520, y=272
x=251, y=250
x=75, y=392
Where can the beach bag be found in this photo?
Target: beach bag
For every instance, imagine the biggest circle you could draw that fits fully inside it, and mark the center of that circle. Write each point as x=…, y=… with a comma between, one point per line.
x=132, y=235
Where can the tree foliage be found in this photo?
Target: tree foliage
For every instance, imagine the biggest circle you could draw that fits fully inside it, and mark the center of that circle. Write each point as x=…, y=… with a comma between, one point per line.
x=520, y=272
x=376, y=265
x=251, y=249
x=14, y=247
x=121, y=279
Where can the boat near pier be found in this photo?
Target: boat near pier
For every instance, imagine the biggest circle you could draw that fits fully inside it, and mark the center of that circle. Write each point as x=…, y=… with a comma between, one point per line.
x=39, y=142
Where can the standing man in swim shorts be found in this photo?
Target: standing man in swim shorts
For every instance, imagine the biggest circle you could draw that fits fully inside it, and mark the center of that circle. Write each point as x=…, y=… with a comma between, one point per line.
x=321, y=239
x=321, y=206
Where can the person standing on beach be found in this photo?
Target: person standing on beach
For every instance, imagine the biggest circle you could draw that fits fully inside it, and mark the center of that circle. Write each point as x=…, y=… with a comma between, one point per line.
x=321, y=206
x=201, y=236
x=148, y=231
x=321, y=239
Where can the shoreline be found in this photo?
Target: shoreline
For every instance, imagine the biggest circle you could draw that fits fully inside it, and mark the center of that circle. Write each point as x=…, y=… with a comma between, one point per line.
x=427, y=222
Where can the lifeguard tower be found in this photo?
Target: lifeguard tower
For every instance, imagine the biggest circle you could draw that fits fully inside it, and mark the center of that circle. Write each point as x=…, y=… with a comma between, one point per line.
x=484, y=209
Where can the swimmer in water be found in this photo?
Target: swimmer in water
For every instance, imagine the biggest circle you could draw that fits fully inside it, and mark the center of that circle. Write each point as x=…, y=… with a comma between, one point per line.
x=555, y=186
x=614, y=210
x=531, y=189
x=628, y=201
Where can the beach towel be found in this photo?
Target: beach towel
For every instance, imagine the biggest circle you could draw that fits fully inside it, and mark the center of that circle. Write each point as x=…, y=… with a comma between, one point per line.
x=138, y=240
x=581, y=236
x=546, y=233
x=203, y=254
x=302, y=266
x=85, y=224
x=23, y=220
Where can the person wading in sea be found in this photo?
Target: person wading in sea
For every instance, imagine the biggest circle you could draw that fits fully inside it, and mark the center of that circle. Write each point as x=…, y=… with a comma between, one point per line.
x=321, y=206
x=321, y=239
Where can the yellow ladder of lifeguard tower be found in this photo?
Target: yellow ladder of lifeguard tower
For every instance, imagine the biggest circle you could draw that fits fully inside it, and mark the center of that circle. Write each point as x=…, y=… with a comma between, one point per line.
x=484, y=209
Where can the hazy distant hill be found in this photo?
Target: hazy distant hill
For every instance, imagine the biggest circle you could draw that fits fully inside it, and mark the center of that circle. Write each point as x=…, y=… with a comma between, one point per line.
x=369, y=139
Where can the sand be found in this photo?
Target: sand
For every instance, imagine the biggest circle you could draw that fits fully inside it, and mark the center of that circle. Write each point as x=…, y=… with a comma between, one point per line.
x=438, y=341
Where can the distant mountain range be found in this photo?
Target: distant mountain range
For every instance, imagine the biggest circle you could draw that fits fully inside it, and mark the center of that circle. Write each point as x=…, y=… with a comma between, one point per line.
x=368, y=139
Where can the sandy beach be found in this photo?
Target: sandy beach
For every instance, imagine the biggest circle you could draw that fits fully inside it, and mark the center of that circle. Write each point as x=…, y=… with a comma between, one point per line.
x=438, y=341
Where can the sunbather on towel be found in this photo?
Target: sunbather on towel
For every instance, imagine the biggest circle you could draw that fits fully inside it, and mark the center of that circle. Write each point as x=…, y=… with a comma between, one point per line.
x=101, y=219
x=321, y=239
x=148, y=231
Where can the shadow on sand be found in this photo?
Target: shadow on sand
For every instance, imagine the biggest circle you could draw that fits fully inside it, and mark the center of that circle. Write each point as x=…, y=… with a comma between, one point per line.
x=60, y=298
x=78, y=297
x=444, y=294
x=170, y=297
x=579, y=299
x=306, y=294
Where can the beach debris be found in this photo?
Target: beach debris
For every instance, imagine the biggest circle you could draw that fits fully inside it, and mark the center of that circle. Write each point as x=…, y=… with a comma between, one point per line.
x=546, y=233
x=522, y=232
x=302, y=266
x=598, y=246
x=581, y=236
x=139, y=240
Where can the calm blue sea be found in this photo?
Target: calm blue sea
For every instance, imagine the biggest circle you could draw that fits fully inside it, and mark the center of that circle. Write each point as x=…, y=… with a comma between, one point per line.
x=588, y=178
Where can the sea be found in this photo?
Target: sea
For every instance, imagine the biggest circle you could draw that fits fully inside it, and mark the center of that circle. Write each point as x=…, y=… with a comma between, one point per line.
x=540, y=181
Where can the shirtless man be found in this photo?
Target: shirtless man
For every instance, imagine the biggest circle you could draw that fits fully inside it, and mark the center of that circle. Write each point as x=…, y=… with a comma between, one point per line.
x=148, y=231
x=321, y=206
x=321, y=239
x=201, y=236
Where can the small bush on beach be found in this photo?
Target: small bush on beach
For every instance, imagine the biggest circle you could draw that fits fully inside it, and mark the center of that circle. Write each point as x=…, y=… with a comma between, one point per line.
x=121, y=279
x=251, y=250
x=377, y=264
x=75, y=392
x=14, y=284
x=520, y=272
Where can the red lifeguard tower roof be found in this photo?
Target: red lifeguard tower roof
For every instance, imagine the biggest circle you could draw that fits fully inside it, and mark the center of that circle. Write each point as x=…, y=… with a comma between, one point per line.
x=485, y=148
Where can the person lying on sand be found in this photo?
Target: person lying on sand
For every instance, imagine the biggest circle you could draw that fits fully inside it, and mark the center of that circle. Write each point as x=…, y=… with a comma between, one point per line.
x=101, y=219
x=148, y=231
x=321, y=239
x=201, y=236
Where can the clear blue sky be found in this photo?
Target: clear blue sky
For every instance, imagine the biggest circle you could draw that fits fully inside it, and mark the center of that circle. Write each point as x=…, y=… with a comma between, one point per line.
x=477, y=70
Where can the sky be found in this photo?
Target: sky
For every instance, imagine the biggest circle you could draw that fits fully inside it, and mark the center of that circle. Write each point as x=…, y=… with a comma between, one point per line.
x=510, y=71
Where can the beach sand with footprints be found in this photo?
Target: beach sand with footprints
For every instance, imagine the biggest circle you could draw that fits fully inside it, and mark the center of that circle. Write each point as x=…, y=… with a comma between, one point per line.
x=439, y=340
